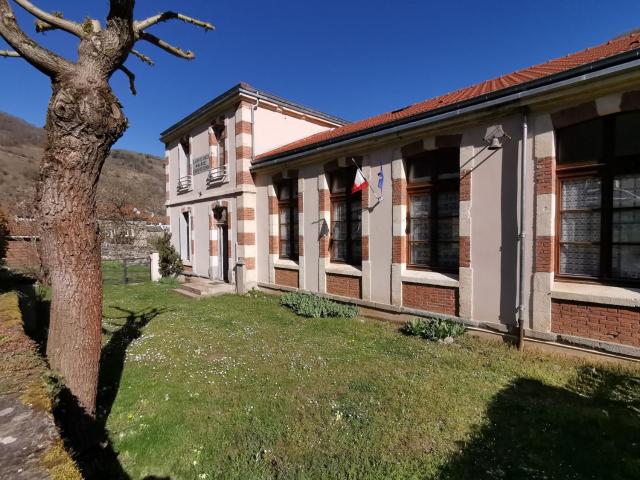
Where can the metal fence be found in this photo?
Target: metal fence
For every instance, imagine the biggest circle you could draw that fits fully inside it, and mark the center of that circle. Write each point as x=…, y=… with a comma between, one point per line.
x=123, y=271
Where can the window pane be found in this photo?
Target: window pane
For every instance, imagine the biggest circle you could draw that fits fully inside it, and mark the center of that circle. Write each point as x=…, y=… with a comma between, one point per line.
x=284, y=231
x=580, y=259
x=580, y=227
x=448, y=228
x=625, y=261
x=285, y=215
x=338, y=231
x=419, y=230
x=448, y=162
x=628, y=134
x=339, y=211
x=420, y=253
x=339, y=250
x=420, y=206
x=284, y=191
x=420, y=169
x=581, y=193
x=626, y=191
x=448, y=254
x=581, y=143
x=448, y=204
x=285, y=250
x=626, y=226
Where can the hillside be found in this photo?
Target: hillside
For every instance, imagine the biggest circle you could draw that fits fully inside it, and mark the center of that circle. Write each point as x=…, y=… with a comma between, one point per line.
x=137, y=177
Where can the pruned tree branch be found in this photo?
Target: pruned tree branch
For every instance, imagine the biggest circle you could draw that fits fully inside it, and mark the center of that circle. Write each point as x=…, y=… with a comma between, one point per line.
x=166, y=16
x=143, y=57
x=50, y=21
x=158, y=42
x=41, y=58
x=132, y=78
x=9, y=53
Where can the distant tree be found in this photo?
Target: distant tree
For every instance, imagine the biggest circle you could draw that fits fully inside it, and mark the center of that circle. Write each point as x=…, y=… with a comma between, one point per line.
x=84, y=120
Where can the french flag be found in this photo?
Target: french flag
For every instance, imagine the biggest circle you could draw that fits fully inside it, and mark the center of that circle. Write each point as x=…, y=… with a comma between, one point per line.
x=360, y=183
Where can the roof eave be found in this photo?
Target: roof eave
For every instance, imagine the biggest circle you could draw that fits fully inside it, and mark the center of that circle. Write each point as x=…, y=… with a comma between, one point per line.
x=604, y=67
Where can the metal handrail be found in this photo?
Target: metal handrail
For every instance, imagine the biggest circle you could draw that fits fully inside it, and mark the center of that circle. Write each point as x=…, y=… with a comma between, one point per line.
x=184, y=184
x=216, y=175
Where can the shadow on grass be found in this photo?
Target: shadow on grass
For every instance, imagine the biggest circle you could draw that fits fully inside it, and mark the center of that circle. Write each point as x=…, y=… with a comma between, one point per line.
x=86, y=437
x=589, y=430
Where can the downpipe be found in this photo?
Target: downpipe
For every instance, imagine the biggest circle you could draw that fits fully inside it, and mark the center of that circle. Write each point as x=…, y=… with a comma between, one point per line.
x=521, y=234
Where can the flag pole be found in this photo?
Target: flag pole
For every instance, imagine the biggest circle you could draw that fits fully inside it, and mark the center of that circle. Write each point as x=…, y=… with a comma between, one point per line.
x=378, y=197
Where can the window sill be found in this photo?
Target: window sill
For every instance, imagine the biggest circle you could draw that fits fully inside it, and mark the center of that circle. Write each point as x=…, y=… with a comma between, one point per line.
x=343, y=269
x=430, y=278
x=286, y=264
x=592, y=293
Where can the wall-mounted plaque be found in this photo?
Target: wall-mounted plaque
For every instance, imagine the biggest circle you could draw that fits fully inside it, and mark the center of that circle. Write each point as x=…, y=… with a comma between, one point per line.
x=201, y=164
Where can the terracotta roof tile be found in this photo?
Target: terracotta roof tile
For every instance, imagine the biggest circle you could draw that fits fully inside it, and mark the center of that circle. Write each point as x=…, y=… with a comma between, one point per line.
x=608, y=49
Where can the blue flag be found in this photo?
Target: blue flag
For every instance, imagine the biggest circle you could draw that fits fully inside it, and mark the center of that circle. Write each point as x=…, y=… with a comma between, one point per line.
x=380, y=178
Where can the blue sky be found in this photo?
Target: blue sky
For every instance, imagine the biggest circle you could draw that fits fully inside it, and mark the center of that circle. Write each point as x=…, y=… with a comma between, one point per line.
x=353, y=59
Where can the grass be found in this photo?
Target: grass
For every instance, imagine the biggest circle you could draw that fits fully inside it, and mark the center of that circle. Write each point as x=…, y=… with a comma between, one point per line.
x=113, y=272
x=239, y=387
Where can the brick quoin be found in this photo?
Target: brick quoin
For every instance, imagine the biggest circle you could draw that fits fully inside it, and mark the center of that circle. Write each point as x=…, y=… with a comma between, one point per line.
x=399, y=189
x=465, y=252
x=300, y=202
x=365, y=247
x=273, y=244
x=244, y=178
x=544, y=254
x=399, y=249
x=544, y=175
x=465, y=185
x=430, y=298
x=243, y=127
x=243, y=152
x=324, y=200
x=246, y=238
x=273, y=205
x=344, y=285
x=300, y=245
x=286, y=277
x=250, y=263
x=246, y=214
x=608, y=323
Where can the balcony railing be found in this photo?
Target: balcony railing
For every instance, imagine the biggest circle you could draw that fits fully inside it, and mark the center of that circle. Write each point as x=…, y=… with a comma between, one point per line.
x=184, y=184
x=217, y=175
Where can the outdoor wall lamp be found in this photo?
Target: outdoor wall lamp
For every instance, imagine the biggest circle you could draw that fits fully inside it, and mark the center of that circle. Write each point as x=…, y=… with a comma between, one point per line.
x=493, y=136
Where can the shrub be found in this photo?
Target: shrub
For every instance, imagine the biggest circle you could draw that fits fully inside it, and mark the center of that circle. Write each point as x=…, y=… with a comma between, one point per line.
x=170, y=262
x=308, y=305
x=433, y=328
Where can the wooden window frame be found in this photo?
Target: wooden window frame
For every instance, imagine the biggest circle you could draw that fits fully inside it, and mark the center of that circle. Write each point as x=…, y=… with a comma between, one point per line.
x=349, y=199
x=432, y=188
x=290, y=205
x=605, y=169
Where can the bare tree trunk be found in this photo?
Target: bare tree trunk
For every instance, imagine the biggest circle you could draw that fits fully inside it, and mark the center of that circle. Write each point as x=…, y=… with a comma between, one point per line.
x=84, y=120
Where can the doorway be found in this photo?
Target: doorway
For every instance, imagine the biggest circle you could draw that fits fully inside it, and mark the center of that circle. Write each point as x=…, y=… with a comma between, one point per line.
x=185, y=237
x=223, y=252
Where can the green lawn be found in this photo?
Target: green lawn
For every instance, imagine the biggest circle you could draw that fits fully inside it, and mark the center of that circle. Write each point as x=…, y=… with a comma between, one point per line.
x=238, y=387
x=113, y=272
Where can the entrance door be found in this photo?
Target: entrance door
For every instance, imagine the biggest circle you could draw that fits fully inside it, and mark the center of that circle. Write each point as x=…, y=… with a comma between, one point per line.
x=185, y=237
x=223, y=252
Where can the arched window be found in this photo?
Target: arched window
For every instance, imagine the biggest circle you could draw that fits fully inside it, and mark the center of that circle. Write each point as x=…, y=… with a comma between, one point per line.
x=598, y=177
x=288, y=218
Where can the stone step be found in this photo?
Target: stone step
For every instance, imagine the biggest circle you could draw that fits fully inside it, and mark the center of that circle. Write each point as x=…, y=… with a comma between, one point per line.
x=186, y=293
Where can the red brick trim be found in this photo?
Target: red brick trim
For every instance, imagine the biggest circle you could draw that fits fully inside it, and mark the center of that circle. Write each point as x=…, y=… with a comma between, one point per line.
x=244, y=178
x=324, y=246
x=246, y=214
x=273, y=205
x=365, y=247
x=213, y=141
x=399, y=249
x=286, y=277
x=250, y=263
x=246, y=238
x=324, y=200
x=344, y=285
x=243, y=127
x=273, y=244
x=465, y=185
x=399, y=192
x=608, y=323
x=430, y=298
x=300, y=246
x=545, y=174
x=300, y=202
x=465, y=252
x=243, y=153
x=213, y=248
x=544, y=254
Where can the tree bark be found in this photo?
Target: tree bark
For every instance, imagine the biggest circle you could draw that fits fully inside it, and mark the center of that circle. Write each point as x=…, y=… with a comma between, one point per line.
x=84, y=120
